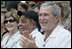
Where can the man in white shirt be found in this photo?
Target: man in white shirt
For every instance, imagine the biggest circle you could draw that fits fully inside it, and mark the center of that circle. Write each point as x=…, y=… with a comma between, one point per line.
x=55, y=36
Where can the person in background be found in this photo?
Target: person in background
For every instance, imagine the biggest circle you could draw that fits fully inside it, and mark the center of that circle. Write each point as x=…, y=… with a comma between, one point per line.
x=22, y=7
x=64, y=5
x=3, y=7
x=65, y=14
x=12, y=5
x=36, y=9
x=31, y=5
x=68, y=23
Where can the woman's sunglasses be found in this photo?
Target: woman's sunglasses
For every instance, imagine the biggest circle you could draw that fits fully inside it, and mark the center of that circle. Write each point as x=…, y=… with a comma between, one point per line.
x=11, y=21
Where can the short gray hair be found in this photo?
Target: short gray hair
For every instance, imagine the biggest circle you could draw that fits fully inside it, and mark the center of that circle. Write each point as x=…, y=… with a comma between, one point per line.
x=56, y=10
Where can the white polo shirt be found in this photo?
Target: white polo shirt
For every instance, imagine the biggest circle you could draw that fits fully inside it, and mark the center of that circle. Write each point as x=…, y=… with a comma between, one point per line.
x=59, y=38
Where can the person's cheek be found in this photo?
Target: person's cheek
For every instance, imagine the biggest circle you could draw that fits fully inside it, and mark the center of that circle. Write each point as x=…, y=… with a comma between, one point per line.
x=24, y=25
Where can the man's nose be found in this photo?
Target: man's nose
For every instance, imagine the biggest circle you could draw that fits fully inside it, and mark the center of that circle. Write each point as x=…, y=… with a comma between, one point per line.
x=41, y=17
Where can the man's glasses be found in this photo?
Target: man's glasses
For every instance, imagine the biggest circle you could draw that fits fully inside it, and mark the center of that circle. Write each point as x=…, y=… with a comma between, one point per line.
x=11, y=21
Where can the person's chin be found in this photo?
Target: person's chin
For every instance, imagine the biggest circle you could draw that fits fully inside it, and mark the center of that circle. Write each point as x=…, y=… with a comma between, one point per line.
x=43, y=28
x=10, y=29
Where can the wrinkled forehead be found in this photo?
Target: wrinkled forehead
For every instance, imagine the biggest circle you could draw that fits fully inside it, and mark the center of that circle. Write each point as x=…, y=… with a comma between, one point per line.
x=45, y=9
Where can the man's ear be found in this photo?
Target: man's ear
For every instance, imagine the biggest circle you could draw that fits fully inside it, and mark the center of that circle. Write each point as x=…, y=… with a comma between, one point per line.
x=57, y=19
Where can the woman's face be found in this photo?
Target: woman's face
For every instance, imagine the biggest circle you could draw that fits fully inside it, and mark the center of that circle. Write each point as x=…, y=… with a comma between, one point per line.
x=10, y=24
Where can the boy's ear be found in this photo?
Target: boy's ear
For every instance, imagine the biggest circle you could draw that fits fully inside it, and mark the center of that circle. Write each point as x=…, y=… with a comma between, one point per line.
x=33, y=24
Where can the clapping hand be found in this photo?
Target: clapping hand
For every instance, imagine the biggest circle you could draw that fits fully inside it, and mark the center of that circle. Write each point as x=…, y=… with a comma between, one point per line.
x=27, y=41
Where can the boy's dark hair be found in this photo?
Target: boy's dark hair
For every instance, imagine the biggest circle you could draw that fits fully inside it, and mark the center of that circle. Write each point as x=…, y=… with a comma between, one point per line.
x=34, y=16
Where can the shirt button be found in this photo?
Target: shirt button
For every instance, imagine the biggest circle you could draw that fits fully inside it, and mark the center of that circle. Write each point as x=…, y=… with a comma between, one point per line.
x=43, y=45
